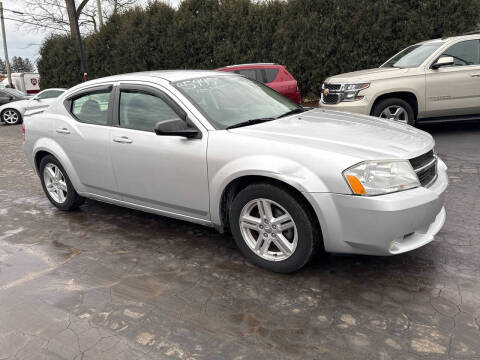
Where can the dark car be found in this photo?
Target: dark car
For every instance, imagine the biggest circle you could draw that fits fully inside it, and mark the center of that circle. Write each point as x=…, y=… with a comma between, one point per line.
x=8, y=95
x=273, y=75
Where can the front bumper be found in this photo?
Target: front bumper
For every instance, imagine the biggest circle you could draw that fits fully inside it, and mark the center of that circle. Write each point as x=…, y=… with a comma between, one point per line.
x=358, y=107
x=382, y=225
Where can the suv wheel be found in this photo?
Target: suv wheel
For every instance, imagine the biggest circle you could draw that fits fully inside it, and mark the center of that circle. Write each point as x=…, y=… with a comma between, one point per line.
x=272, y=229
x=395, y=109
x=57, y=185
x=11, y=117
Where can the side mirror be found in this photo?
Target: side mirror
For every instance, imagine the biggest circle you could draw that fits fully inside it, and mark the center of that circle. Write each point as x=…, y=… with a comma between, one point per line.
x=176, y=127
x=443, y=61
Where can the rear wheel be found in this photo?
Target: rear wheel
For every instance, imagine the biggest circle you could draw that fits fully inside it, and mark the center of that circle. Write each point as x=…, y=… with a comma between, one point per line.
x=272, y=229
x=57, y=186
x=11, y=117
x=395, y=109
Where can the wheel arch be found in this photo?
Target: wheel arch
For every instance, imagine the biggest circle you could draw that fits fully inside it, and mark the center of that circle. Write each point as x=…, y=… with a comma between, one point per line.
x=410, y=97
x=240, y=183
x=45, y=147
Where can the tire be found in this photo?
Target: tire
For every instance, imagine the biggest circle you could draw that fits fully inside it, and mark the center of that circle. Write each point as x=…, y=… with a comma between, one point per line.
x=11, y=117
x=388, y=106
x=57, y=185
x=296, y=245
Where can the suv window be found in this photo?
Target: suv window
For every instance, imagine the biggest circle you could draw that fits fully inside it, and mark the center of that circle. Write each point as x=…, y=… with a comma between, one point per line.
x=142, y=111
x=254, y=74
x=270, y=75
x=464, y=53
x=49, y=94
x=92, y=108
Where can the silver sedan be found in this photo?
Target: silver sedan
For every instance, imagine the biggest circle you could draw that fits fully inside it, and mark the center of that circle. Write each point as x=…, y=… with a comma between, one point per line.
x=224, y=151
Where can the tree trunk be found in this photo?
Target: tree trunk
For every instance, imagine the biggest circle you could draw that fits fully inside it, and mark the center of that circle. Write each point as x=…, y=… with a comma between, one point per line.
x=71, y=17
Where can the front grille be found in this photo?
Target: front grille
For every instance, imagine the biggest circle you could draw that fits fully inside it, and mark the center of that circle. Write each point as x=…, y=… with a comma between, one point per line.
x=334, y=87
x=425, y=167
x=331, y=99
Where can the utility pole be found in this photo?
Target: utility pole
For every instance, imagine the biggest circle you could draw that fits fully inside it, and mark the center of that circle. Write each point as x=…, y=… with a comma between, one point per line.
x=5, y=50
x=83, y=64
x=100, y=16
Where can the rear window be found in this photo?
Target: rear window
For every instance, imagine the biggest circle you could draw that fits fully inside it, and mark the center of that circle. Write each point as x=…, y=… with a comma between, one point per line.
x=270, y=74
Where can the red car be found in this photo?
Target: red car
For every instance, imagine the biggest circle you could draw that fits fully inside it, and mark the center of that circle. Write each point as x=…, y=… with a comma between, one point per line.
x=273, y=75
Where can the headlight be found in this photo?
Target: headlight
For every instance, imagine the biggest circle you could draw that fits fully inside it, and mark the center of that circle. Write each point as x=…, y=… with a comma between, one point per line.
x=381, y=177
x=351, y=91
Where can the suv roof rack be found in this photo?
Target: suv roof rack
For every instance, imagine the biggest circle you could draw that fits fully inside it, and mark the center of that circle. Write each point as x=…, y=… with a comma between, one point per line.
x=472, y=32
x=251, y=64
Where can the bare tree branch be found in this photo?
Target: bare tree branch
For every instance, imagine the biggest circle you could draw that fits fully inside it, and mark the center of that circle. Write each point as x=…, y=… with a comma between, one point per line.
x=40, y=15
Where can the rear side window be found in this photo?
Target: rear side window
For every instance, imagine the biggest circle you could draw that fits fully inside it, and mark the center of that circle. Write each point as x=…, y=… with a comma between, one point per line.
x=464, y=53
x=50, y=94
x=142, y=111
x=270, y=74
x=254, y=74
x=92, y=108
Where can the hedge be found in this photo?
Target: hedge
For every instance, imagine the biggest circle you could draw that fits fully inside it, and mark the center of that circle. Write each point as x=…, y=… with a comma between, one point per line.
x=313, y=38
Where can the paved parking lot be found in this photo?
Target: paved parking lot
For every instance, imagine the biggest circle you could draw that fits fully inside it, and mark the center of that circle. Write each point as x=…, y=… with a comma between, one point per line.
x=111, y=283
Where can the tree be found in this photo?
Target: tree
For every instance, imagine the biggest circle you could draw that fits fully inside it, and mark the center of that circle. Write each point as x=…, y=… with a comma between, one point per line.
x=313, y=38
x=20, y=64
x=58, y=14
x=3, y=67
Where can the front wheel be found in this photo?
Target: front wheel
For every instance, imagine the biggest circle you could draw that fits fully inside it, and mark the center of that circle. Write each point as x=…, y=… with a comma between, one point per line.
x=273, y=229
x=11, y=117
x=395, y=109
x=57, y=186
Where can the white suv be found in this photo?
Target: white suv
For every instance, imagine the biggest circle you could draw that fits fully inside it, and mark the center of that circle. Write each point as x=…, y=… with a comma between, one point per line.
x=436, y=80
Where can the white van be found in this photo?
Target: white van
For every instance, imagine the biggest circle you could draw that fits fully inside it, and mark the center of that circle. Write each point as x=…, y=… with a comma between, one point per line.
x=28, y=83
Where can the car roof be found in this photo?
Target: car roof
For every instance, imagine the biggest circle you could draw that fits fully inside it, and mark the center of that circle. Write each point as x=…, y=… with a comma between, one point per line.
x=168, y=75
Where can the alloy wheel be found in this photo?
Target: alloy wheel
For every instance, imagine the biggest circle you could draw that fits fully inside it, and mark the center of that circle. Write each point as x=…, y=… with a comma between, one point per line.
x=268, y=229
x=10, y=117
x=395, y=112
x=55, y=183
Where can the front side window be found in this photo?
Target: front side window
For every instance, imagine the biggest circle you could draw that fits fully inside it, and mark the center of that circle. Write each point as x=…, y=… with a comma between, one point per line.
x=142, y=111
x=49, y=94
x=92, y=108
x=230, y=100
x=413, y=56
x=464, y=53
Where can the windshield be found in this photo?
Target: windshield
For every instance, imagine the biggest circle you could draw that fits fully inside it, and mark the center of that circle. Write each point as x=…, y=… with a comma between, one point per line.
x=413, y=56
x=230, y=100
x=14, y=92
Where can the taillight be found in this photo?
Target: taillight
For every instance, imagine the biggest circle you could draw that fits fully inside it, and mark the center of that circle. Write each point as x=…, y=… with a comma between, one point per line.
x=23, y=131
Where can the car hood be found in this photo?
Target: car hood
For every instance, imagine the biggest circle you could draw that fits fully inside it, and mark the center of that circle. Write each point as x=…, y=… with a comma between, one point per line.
x=357, y=136
x=17, y=104
x=368, y=75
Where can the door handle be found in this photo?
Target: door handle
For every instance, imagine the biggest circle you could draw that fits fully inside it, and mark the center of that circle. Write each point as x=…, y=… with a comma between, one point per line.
x=122, y=140
x=63, y=131
x=475, y=75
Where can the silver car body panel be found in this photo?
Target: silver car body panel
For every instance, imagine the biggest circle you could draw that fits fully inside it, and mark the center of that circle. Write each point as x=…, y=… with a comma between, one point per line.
x=186, y=178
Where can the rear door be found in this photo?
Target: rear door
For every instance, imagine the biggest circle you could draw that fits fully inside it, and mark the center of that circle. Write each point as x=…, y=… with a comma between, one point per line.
x=84, y=135
x=455, y=90
x=165, y=173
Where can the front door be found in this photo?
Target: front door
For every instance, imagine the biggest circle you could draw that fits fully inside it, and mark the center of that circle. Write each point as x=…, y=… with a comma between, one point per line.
x=455, y=90
x=166, y=173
